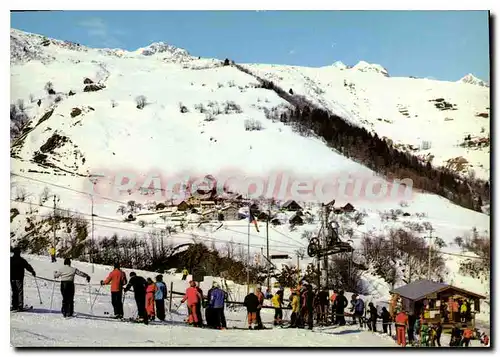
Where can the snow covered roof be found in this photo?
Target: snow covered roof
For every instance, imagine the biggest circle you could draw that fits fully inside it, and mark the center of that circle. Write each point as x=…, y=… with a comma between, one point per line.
x=421, y=288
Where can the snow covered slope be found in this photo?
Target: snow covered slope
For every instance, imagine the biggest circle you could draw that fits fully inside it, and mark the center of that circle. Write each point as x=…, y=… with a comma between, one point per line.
x=195, y=121
x=429, y=118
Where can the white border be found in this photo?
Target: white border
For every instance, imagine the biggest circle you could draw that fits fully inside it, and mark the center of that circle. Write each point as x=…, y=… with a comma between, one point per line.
x=200, y=5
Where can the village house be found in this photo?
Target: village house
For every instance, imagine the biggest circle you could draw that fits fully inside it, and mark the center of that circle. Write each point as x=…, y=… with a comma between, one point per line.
x=437, y=302
x=229, y=213
x=291, y=205
x=263, y=216
x=211, y=214
x=183, y=206
x=296, y=220
x=348, y=208
x=207, y=205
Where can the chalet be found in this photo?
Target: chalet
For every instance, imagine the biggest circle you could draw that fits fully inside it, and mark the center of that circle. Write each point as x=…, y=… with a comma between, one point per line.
x=296, y=220
x=207, y=204
x=229, y=213
x=438, y=302
x=275, y=221
x=263, y=216
x=348, y=208
x=183, y=206
x=406, y=214
x=160, y=206
x=210, y=214
x=291, y=205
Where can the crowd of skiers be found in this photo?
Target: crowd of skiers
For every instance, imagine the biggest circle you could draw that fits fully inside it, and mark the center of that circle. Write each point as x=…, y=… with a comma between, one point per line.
x=306, y=305
x=149, y=295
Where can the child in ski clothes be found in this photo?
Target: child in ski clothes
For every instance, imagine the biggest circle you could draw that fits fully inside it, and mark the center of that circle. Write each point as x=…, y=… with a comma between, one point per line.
x=467, y=336
x=150, y=298
x=277, y=302
x=260, y=296
x=67, y=275
x=160, y=295
x=295, y=308
x=52, y=252
x=424, y=332
x=463, y=312
x=217, y=305
x=401, y=325
x=184, y=274
x=251, y=302
x=117, y=279
x=193, y=297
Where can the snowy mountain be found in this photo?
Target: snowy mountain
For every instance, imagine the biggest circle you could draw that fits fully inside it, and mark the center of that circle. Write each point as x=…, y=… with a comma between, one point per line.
x=160, y=112
x=444, y=123
x=471, y=79
x=340, y=65
x=363, y=66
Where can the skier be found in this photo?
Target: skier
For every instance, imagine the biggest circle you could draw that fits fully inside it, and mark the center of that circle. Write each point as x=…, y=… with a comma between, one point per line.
x=401, y=325
x=268, y=295
x=193, y=297
x=67, y=275
x=424, y=332
x=467, y=336
x=17, y=266
x=341, y=303
x=260, y=296
x=277, y=301
x=386, y=321
x=52, y=252
x=439, y=331
x=139, y=285
x=359, y=310
x=309, y=297
x=160, y=295
x=295, y=308
x=411, y=329
x=463, y=311
x=333, y=299
x=323, y=306
x=118, y=279
x=209, y=315
x=372, y=322
x=351, y=309
x=150, y=298
x=184, y=274
x=217, y=304
x=199, y=305
x=251, y=302
x=456, y=336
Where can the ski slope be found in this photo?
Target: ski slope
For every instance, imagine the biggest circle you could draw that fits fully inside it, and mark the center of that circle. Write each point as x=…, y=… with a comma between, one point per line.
x=111, y=136
x=44, y=326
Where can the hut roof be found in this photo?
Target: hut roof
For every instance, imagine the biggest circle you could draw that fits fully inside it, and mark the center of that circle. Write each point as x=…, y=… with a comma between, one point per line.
x=421, y=288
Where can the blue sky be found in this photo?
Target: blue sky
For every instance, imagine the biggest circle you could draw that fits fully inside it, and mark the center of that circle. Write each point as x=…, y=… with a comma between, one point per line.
x=444, y=45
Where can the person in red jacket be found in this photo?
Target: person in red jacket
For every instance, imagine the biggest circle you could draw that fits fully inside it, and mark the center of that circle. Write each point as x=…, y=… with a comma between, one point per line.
x=150, y=299
x=401, y=325
x=193, y=297
x=117, y=279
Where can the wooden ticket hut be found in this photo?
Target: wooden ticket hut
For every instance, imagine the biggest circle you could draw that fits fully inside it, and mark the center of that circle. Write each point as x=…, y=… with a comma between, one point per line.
x=438, y=302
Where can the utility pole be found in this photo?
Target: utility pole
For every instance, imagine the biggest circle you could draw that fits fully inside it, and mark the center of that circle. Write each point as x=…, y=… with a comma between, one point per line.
x=92, y=239
x=298, y=268
x=326, y=234
x=429, y=267
x=267, y=244
x=248, y=251
x=54, y=222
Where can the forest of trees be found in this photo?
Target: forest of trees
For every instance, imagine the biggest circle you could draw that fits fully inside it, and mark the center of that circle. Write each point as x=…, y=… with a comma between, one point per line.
x=377, y=154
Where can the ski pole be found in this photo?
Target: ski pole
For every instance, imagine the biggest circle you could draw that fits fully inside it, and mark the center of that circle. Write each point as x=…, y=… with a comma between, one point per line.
x=96, y=295
x=90, y=299
x=38, y=289
x=52, y=295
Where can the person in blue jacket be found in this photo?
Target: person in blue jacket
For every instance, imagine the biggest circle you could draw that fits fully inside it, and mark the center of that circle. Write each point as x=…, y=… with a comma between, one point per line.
x=160, y=295
x=216, y=304
x=359, y=310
